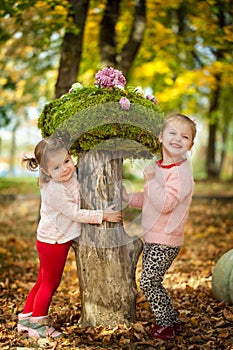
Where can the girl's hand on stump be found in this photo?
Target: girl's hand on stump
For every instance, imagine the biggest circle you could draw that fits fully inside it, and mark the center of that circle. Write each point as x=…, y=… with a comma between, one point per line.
x=112, y=215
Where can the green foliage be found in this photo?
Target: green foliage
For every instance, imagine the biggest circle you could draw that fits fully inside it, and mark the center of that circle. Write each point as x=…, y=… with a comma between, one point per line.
x=92, y=116
x=19, y=185
x=5, y=115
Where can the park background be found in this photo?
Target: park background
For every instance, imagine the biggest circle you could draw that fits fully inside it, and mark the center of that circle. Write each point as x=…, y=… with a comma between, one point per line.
x=184, y=57
x=182, y=54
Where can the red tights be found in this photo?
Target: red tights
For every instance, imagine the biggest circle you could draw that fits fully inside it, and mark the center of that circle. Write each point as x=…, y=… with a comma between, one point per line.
x=52, y=262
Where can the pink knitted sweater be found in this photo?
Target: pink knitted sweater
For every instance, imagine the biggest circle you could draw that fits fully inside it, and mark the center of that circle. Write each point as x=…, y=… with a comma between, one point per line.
x=165, y=203
x=61, y=216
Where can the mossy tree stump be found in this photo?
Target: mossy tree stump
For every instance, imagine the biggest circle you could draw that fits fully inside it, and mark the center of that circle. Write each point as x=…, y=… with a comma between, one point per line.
x=101, y=134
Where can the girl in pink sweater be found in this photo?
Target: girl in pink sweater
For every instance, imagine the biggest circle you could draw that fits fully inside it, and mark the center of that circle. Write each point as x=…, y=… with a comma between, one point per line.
x=165, y=204
x=60, y=223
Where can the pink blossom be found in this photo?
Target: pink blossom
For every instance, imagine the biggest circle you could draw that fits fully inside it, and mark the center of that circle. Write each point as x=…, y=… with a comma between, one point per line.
x=152, y=98
x=125, y=103
x=110, y=77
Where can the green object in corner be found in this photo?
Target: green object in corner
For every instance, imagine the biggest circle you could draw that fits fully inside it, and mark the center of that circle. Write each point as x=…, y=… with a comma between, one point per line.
x=222, y=278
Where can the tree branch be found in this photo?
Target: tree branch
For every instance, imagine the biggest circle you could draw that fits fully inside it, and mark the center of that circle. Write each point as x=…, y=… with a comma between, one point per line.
x=131, y=48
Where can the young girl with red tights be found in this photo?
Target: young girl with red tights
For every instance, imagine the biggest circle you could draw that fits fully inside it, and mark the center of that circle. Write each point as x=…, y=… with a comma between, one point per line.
x=60, y=223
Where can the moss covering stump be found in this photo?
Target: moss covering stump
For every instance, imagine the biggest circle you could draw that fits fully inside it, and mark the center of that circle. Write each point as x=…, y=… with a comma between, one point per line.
x=89, y=116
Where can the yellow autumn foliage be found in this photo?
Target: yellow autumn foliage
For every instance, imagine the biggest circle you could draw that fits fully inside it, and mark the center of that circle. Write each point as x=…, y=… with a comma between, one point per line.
x=186, y=84
x=152, y=68
x=41, y=4
x=228, y=30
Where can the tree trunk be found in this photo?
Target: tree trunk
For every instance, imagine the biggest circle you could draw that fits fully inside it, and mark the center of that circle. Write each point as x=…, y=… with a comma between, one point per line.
x=106, y=256
x=223, y=151
x=132, y=46
x=108, y=41
x=211, y=164
x=212, y=168
x=71, y=51
x=13, y=149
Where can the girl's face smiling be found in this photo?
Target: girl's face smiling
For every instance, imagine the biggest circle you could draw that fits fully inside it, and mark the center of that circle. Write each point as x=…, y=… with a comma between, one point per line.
x=60, y=166
x=177, y=139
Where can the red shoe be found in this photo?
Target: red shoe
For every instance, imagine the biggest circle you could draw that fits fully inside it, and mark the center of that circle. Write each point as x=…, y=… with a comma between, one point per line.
x=178, y=327
x=164, y=333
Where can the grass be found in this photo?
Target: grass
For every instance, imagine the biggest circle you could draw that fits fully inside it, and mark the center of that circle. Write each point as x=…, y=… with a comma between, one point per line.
x=18, y=185
x=28, y=185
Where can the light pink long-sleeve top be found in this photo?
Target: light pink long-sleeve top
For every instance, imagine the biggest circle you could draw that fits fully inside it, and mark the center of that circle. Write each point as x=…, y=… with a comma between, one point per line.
x=165, y=203
x=60, y=212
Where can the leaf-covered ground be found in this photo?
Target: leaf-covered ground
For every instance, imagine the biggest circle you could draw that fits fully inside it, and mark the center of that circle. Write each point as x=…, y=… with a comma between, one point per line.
x=208, y=323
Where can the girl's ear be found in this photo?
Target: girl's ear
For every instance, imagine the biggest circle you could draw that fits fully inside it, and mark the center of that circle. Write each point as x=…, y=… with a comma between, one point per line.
x=191, y=146
x=44, y=172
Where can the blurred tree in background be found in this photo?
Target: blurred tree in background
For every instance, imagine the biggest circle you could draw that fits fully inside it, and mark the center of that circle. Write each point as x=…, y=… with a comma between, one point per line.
x=185, y=56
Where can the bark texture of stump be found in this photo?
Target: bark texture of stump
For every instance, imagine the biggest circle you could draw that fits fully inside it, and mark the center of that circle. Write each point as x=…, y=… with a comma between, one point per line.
x=106, y=256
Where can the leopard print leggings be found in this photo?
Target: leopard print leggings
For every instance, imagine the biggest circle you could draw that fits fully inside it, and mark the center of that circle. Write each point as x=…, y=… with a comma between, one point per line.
x=156, y=260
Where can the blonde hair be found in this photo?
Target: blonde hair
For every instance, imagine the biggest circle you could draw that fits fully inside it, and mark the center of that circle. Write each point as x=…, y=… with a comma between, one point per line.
x=41, y=155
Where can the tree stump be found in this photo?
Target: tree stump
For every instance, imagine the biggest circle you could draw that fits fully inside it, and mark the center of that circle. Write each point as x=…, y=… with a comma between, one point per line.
x=106, y=256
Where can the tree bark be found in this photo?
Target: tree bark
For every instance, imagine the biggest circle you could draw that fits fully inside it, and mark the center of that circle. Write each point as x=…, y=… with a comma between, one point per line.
x=13, y=149
x=108, y=44
x=224, y=149
x=108, y=40
x=211, y=164
x=132, y=46
x=106, y=256
x=71, y=51
x=212, y=168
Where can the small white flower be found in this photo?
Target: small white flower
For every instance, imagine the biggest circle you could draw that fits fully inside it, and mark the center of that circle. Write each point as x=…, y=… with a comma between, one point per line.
x=120, y=87
x=75, y=87
x=139, y=90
